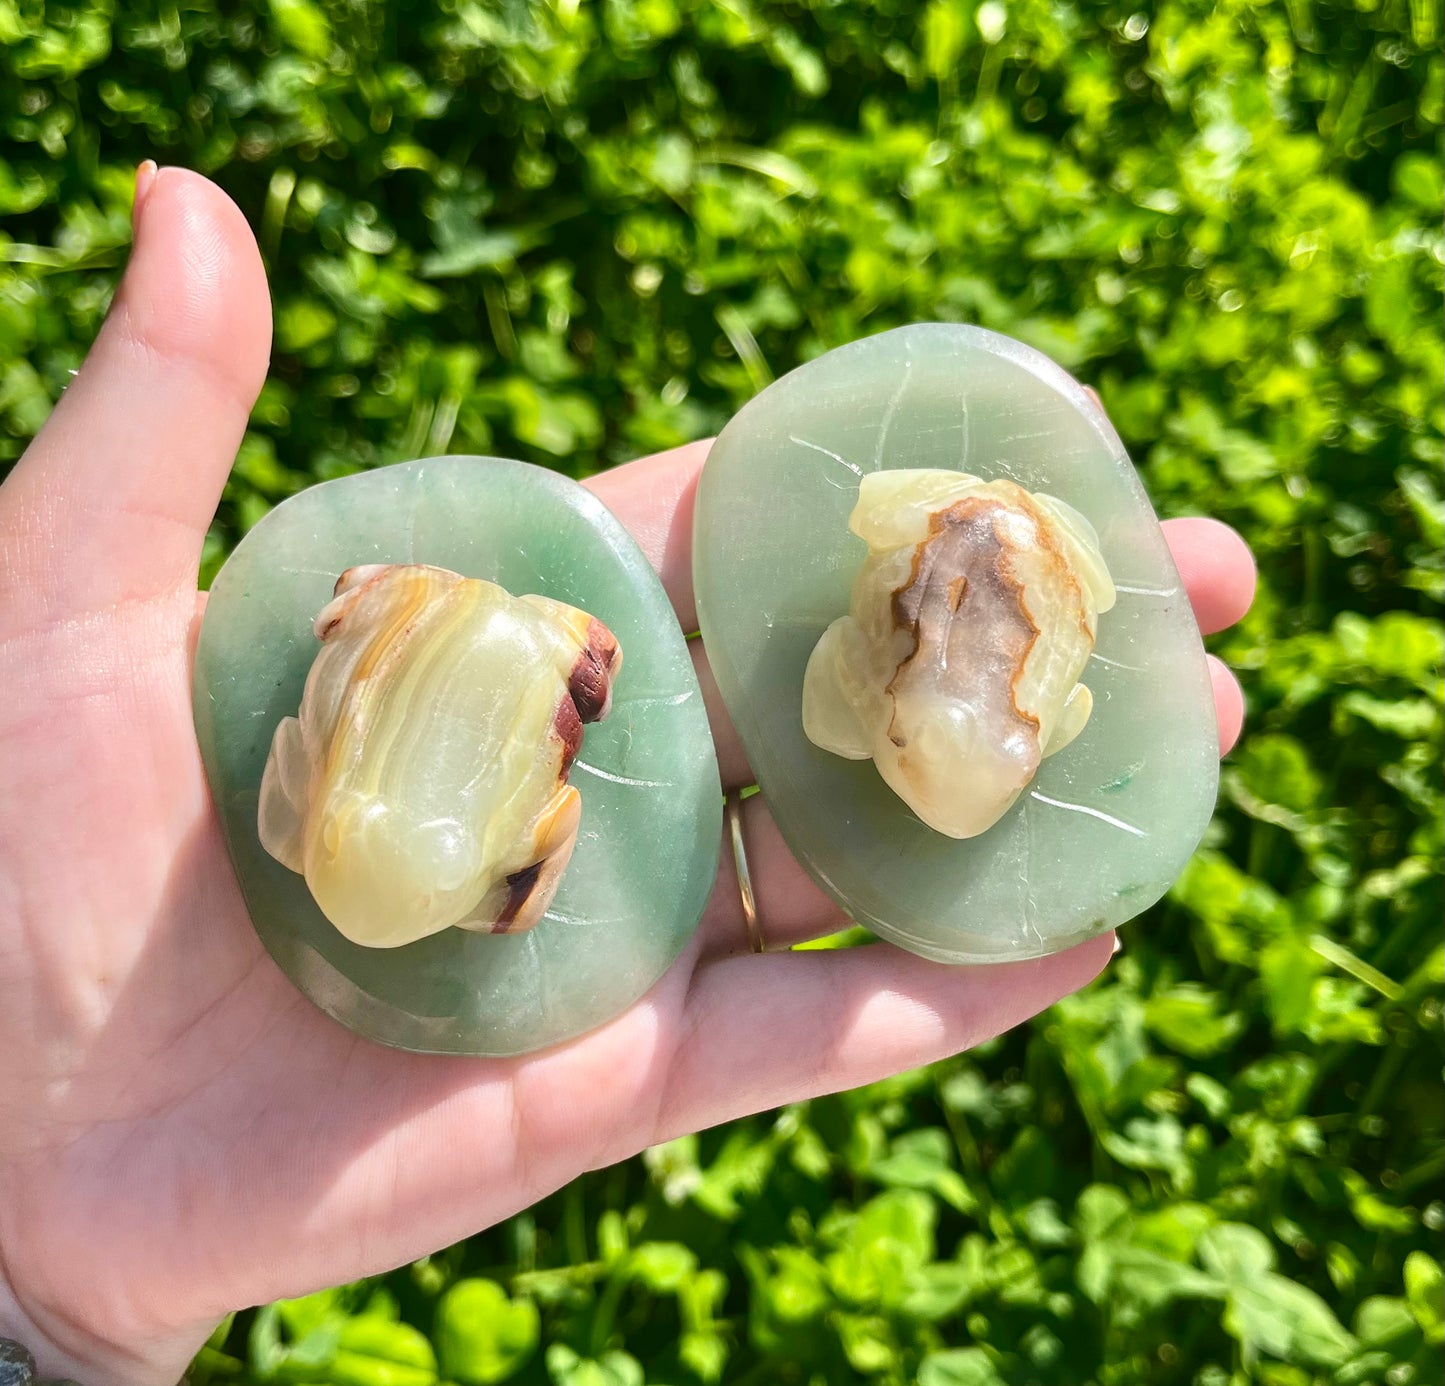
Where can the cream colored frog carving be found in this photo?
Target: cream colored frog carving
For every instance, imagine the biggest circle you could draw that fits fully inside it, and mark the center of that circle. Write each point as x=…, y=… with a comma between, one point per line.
x=957, y=667
x=424, y=783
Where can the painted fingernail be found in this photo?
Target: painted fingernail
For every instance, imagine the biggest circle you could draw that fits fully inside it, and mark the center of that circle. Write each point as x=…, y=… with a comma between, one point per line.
x=145, y=175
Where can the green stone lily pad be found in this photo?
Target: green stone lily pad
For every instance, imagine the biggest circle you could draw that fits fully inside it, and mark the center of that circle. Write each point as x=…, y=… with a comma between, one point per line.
x=1108, y=822
x=646, y=852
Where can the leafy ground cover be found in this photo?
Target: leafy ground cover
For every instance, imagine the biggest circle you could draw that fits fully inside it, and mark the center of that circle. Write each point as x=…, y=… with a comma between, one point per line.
x=576, y=232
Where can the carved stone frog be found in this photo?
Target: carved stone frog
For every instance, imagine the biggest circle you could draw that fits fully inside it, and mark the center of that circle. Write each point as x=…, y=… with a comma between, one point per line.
x=424, y=783
x=971, y=621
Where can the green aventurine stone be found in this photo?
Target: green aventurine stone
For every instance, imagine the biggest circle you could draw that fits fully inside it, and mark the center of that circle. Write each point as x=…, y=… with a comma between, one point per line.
x=1109, y=821
x=647, y=849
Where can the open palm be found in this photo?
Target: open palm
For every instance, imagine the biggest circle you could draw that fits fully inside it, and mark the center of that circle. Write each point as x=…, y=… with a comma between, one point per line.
x=181, y=1133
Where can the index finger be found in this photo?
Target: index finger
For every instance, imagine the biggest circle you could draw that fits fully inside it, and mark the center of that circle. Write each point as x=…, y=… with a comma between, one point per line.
x=653, y=497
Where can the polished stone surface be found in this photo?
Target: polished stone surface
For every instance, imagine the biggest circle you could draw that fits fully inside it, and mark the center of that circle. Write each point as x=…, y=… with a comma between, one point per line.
x=1109, y=821
x=647, y=849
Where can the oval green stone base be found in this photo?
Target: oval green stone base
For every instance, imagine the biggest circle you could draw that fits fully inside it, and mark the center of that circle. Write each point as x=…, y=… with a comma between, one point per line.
x=1108, y=822
x=646, y=854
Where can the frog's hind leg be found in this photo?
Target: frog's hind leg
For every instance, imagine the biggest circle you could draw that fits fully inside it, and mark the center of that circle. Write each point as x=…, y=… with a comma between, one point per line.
x=347, y=593
x=1083, y=539
x=1072, y=719
x=282, y=810
x=518, y=901
x=596, y=657
x=894, y=507
x=574, y=621
x=831, y=716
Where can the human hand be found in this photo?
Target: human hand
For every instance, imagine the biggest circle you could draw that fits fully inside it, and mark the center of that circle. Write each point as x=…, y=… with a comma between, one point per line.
x=181, y=1132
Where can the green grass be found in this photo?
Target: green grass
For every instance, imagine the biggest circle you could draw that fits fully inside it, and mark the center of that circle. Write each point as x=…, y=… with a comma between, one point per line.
x=578, y=232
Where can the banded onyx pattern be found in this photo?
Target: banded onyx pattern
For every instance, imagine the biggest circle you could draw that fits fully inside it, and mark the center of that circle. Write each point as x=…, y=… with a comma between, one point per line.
x=971, y=620
x=424, y=783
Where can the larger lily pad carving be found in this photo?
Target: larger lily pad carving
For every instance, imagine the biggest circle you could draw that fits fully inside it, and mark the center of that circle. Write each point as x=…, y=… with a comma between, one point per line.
x=1106, y=824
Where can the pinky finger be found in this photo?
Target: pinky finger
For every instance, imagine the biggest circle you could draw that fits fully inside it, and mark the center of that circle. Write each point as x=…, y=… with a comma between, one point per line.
x=1228, y=705
x=765, y=1031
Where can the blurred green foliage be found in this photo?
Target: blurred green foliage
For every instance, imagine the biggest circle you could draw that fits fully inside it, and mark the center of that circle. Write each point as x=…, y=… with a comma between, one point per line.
x=579, y=231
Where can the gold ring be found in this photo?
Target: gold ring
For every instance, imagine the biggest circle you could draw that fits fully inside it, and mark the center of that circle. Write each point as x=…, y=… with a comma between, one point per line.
x=734, y=806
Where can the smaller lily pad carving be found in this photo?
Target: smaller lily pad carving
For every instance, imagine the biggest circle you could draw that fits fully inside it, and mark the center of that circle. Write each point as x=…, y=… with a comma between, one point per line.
x=957, y=668
x=424, y=783
x=644, y=855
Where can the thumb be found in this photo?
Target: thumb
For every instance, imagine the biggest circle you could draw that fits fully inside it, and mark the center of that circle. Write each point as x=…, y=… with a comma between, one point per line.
x=112, y=500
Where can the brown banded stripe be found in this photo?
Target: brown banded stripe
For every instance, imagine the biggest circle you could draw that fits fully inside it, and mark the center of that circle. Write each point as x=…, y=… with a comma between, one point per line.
x=962, y=605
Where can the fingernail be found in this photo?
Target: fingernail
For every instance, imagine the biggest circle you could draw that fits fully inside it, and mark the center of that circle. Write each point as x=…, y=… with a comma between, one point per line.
x=1117, y=948
x=145, y=175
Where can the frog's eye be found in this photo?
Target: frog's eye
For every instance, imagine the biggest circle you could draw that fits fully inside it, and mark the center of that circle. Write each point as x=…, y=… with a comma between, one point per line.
x=424, y=783
x=957, y=667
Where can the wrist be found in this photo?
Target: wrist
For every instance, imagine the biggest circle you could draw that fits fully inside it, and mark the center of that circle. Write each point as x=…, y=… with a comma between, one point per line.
x=66, y=1350
x=47, y=1361
x=22, y=1348
x=18, y=1367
